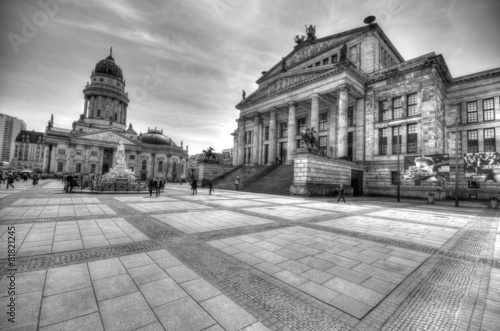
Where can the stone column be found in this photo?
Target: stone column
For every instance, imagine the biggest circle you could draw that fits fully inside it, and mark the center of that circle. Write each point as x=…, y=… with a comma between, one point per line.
x=71, y=159
x=315, y=114
x=342, y=120
x=235, y=147
x=153, y=163
x=98, y=171
x=291, y=131
x=113, y=161
x=256, y=139
x=404, y=141
x=86, y=163
x=272, y=137
x=332, y=131
x=85, y=107
x=241, y=147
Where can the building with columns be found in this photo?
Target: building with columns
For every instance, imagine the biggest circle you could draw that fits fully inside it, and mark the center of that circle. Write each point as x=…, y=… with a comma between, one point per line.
x=366, y=102
x=90, y=146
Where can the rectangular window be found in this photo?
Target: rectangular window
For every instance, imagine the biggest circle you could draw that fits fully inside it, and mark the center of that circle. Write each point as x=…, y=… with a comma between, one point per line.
x=353, y=54
x=322, y=144
x=283, y=130
x=325, y=61
x=489, y=140
x=472, y=142
x=397, y=108
x=350, y=116
x=93, y=153
x=394, y=178
x=412, y=104
x=350, y=140
x=92, y=168
x=132, y=157
x=334, y=58
x=472, y=112
x=396, y=134
x=382, y=141
x=323, y=121
x=411, y=138
x=300, y=144
x=317, y=64
x=266, y=133
x=301, y=125
x=488, y=110
x=248, y=137
x=61, y=151
x=383, y=107
x=60, y=166
x=79, y=152
x=473, y=184
x=78, y=167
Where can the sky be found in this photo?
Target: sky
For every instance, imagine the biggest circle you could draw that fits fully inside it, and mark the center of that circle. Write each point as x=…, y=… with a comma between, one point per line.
x=186, y=62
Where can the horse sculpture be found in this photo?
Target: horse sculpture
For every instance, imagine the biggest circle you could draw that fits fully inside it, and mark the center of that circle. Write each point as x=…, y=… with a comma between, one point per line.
x=209, y=155
x=310, y=140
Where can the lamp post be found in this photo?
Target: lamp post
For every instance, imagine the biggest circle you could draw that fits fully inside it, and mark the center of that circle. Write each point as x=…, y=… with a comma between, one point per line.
x=456, y=161
x=398, y=173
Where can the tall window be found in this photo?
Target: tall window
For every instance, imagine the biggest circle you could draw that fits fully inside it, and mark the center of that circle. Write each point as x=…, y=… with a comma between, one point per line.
x=489, y=140
x=92, y=168
x=334, y=58
x=79, y=152
x=323, y=122
x=144, y=165
x=60, y=166
x=248, y=137
x=160, y=166
x=472, y=112
x=98, y=113
x=93, y=153
x=488, y=110
x=383, y=113
x=350, y=139
x=322, y=144
x=382, y=141
x=411, y=138
x=396, y=134
x=472, y=143
x=248, y=155
x=283, y=130
x=266, y=133
x=301, y=125
x=394, y=178
x=412, y=104
x=397, y=108
x=350, y=116
x=116, y=116
x=301, y=143
x=78, y=167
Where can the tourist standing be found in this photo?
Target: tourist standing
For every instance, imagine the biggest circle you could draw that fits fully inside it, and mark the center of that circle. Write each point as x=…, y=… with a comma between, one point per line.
x=10, y=180
x=25, y=178
x=194, y=186
x=151, y=185
x=341, y=193
x=237, y=182
x=158, y=186
x=210, y=186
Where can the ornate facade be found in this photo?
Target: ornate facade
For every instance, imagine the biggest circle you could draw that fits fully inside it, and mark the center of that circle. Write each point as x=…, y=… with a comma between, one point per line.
x=366, y=102
x=90, y=146
x=29, y=151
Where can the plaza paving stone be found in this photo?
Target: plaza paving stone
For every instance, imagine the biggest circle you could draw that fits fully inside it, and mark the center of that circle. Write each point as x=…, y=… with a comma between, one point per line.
x=201, y=262
x=194, y=222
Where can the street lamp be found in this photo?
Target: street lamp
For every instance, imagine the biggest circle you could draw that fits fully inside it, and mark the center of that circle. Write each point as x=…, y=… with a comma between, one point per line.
x=398, y=173
x=456, y=161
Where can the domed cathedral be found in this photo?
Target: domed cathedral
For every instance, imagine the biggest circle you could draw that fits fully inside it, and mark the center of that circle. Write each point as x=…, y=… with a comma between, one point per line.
x=90, y=146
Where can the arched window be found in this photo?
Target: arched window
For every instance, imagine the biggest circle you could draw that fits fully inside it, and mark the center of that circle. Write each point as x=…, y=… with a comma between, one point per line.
x=144, y=165
x=160, y=166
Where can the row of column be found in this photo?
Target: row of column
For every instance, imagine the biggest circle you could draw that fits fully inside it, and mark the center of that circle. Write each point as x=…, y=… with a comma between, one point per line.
x=95, y=102
x=337, y=137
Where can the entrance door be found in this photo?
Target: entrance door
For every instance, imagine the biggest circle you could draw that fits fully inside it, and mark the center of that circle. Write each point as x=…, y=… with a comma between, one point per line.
x=283, y=152
x=266, y=154
x=357, y=182
x=107, y=160
x=105, y=168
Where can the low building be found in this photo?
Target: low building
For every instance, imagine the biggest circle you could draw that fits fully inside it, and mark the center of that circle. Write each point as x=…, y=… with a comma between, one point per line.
x=29, y=151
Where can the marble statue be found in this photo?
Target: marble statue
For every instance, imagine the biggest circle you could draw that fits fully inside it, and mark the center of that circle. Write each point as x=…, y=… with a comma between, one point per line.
x=120, y=154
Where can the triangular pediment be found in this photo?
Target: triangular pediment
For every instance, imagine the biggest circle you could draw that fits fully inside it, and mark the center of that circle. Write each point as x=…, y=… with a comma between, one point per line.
x=106, y=136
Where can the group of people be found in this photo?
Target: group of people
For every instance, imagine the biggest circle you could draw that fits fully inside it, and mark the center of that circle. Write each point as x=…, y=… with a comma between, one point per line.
x=11, y=177
x=194, y=186
x=156, y=184
x=70, y=181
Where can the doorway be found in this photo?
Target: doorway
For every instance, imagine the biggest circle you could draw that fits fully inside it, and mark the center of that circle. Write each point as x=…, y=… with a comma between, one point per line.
x=357, y=182
x=283, y=152
x=107, y=159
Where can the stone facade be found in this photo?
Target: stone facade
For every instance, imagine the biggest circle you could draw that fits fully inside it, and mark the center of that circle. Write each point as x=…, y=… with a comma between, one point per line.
x=29, y=150
x=359, y=94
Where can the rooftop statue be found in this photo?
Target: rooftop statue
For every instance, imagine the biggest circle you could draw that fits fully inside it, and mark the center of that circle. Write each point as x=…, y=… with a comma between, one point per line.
x=209, y=155
x=283, y=64
x=300, y=39
x=343, y=53
x=311, y=33
x=244, y=94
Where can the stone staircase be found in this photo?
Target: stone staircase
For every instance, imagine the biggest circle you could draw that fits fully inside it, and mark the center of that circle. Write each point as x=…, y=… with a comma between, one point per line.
x=278, y=181
x=226, y=182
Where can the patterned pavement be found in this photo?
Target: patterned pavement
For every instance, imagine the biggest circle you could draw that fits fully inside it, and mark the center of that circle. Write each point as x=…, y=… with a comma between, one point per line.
x=241, y=261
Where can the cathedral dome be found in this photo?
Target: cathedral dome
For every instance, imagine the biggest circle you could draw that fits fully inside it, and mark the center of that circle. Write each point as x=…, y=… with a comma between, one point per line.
x=155, y=137
x=109, y=67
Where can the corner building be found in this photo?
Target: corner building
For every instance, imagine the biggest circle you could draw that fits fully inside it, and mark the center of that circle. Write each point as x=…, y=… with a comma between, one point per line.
x=90, y=146
x=359, y=94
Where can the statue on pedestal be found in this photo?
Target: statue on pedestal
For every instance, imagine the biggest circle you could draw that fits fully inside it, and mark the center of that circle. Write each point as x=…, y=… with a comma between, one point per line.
x=120, y=154
x=311, y=33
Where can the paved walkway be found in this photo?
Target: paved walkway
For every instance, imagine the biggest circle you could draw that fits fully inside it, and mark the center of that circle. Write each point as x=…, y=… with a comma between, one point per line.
x=241, y=261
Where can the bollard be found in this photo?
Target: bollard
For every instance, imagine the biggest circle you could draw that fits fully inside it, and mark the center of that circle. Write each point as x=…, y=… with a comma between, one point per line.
x=430, y=198
x=493, y=202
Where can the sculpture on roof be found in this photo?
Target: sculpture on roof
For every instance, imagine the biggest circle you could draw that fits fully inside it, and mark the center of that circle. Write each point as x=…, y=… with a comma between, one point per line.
x=311, y=33
x=244, y=94
x=49, y=125
x=74, y=125
x=300, y=39
x=283, y=64
x=343, y=53
x=209, y=155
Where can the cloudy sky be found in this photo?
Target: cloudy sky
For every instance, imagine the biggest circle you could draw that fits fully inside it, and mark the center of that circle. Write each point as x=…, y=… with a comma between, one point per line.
x=203, y=53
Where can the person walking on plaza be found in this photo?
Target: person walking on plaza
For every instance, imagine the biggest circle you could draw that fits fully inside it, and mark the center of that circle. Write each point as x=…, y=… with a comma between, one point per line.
x=151, y=185
x=194, y=186
x=158, y=186
x=2, y=178
x=341, y=193
x=237, y=182
x=210, y=186
x=25, y=178
x=10, y=180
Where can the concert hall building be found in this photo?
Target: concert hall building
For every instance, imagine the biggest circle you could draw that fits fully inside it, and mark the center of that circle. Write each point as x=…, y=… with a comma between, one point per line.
x=363, y=98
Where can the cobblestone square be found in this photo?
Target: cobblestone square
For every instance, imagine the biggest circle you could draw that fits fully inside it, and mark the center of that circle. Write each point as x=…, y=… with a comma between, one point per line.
x=216, y=262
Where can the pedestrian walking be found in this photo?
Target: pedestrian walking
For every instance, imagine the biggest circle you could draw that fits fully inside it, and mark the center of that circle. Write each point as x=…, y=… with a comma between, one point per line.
x=2, y=178
x=194, y=186
x=210, y=186
x=10, y=180
x=341, y=193
x=151, y=185
x=157, y=186
x=237, y=182
x=25, y=178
